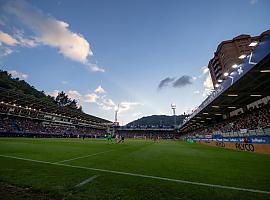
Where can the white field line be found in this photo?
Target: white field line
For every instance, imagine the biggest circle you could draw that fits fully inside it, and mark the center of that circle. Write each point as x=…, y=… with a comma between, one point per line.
x=83, y=156
x=87, y=181
x=143, y=176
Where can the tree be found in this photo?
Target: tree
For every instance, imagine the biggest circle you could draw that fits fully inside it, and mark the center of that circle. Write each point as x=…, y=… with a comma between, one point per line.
x=73, y=104
x=22, y=87
x=62, y=99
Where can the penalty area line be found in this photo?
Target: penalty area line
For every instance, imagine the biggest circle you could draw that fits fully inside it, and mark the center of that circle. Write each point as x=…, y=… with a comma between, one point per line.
x=71, y=159
x=142, y=175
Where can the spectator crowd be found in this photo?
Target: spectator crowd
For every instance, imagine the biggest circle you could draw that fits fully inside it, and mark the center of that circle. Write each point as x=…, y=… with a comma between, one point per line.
x=252, y=119
x=10, y=126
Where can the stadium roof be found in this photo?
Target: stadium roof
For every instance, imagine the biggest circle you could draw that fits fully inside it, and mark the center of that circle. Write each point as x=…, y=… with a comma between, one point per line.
x=13, y=97
x=249, y=82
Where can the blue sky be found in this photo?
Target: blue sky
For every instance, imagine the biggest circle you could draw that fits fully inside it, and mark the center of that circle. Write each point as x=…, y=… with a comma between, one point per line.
x=105, y=53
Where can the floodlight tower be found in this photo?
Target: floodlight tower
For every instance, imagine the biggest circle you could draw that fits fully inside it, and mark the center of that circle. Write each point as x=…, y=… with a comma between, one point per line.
x=116, y=109
x=115, y=124
x=173, y=106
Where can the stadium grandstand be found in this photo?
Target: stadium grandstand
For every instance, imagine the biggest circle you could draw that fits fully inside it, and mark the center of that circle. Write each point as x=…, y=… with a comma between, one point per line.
x=237, y=113
x=148, y=132
x=25, y=115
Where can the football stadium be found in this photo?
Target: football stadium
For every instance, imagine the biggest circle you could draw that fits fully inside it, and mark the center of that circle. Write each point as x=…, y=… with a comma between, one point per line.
x=53, y=147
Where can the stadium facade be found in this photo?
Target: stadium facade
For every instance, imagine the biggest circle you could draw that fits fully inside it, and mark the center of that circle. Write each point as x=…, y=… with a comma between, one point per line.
x=230, y=53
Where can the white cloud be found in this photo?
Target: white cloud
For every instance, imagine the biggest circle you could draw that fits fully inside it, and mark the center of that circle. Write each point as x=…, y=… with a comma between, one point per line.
x=17, y=39
x=95, y=67
x=102, y=101
x=74, y=94
x=52, y=32
x=106, y=104
x=196, y=92
x=100, y=90
x=53, y=93
x=205, y=70
x=109, y=103
x=23, y=41
x=91, y=98
x=7, y=39
x=207, y=85
x=16, y=74
x=125, y=106
x=5, y=51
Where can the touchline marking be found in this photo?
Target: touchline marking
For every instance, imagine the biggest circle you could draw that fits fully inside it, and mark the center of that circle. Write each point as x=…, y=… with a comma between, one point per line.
x=83, y=156
x=142, y=175
x=87, y=181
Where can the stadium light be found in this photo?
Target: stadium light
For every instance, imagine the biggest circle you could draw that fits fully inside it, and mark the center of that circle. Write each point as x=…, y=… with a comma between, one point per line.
x=215, y=106
x=198, y=117
x=205, y=113
x=173, y=106
x=219, y=80
x=202, y=121
x=242, y=56
x=234, y=66
x=232, y=95
x=226, y=74
x=255, y=95
x=253, y=44
x=208, y=118
x=231, y=107
x=265, y=71
x=218, y=114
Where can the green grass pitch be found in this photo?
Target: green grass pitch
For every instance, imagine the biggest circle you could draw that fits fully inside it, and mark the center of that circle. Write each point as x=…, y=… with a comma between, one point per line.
x=137, y=169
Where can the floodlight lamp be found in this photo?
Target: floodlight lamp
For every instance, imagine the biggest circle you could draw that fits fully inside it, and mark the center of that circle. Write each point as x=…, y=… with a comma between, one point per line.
x=173, y=105
x=265, y=71
x=253, y=44
x=242, y=56
x=234, y=66
x=255, y=95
